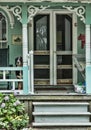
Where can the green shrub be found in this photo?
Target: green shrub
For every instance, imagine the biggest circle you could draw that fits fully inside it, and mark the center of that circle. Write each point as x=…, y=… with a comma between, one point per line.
x=12, y=113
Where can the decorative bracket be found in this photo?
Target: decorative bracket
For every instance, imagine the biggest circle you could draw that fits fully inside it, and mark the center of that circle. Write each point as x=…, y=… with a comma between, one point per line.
x=17, y=12
x=80, y=11
x=32, y=10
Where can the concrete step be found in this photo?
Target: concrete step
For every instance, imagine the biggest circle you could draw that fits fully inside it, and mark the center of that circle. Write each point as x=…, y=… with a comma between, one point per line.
x=62, y=128
x=60, y=103
x=50, y=117
x=84, y=124
x=60, y=124
x=60, y=106
x=61, y=114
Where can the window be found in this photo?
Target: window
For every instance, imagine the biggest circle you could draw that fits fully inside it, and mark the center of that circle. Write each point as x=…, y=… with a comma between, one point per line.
x=3, y=41
x=41, y=32
x=3, y=31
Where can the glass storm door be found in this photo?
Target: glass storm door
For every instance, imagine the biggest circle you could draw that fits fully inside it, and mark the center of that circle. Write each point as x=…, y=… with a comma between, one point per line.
x=41, y=50
x=52, y=49
x=63, y=49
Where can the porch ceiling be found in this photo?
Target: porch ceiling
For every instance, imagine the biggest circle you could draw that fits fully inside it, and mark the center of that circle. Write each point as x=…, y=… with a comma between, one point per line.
x=63, y=1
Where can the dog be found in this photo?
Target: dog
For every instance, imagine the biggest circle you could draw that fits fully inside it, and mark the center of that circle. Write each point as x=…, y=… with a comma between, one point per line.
x=19, y=63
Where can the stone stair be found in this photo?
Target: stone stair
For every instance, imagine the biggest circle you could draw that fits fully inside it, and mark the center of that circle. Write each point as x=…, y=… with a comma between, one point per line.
x=61, y=114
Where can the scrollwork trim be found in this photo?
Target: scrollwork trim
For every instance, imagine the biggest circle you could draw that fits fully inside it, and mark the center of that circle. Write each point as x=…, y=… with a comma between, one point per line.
x=80, y=11
x=32, y=11
x=17, y=12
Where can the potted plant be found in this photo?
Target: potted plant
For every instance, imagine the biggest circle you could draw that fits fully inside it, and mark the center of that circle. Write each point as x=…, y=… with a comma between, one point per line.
x=12, y=113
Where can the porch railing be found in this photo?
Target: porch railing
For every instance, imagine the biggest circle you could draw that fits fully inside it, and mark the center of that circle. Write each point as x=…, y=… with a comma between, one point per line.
x=8, y=79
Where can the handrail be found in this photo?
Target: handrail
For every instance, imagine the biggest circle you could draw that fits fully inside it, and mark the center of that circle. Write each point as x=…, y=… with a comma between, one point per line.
x=80, y=65
x=11, y=68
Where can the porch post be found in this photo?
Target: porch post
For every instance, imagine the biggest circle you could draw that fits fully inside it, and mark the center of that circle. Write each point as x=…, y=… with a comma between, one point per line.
x=25, y=48
x=25, y=64
x=88, y=60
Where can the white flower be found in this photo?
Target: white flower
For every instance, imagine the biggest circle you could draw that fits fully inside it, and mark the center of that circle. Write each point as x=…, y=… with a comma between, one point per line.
x=6, y=98
x=2, y=105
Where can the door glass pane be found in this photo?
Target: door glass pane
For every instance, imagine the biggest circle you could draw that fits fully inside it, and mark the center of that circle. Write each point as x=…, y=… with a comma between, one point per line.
x=41, y=33
x=41, y=50
x=64, y=66
x=63, y=32
x=64, y=73
x=64, y=59
x=42, y=59
x=41, y=73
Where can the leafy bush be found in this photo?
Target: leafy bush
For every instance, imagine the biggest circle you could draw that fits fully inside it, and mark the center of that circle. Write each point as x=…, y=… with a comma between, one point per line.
x=12, y=113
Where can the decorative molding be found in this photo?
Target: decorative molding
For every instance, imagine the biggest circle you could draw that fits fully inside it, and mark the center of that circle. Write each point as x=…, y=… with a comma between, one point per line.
x=62, y=1
x=32, y=10
x=80, y=11
x=9, y=14
x=17, y=12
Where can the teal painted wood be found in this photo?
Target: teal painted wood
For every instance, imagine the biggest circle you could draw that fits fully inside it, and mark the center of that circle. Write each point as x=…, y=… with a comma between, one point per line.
x=88, y=14
x=11, y=68
x=24, y=14
x=88, y=79
x=25, y=79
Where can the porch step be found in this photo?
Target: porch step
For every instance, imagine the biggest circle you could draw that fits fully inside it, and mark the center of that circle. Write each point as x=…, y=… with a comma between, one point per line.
x=65, y=117
x=60, y=106
x=54, y=88
x=61, y=124
x=61, y=114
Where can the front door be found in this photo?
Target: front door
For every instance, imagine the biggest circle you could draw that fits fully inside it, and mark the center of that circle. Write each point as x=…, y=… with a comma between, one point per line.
x=52, y=45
